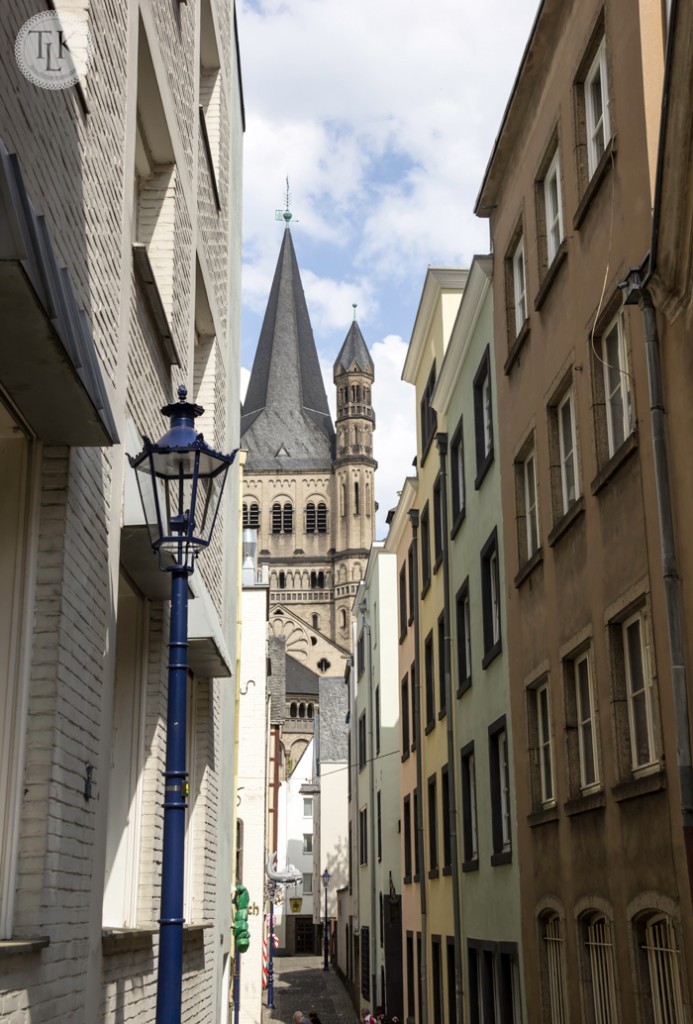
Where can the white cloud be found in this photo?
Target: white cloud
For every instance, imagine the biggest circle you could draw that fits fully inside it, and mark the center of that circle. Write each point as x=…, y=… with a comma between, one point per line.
x=394, y=442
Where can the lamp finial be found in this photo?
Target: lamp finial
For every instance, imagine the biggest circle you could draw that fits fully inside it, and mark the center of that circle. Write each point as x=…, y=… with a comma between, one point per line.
x=182, y=393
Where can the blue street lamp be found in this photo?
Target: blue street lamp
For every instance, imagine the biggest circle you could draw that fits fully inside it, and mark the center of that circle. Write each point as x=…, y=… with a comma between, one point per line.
x=326, y=881
x=181, y=482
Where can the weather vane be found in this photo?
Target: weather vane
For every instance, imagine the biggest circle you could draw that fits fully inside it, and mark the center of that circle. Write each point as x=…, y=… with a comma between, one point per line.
x=353, y=306
x=285, y=214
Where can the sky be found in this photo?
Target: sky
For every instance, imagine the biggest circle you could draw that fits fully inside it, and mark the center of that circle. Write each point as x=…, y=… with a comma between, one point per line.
x=383, y=115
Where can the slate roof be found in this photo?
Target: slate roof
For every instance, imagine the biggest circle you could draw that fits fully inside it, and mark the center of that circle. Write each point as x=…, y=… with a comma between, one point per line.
x=300, y=679
x=353, y=353
x=285, y=419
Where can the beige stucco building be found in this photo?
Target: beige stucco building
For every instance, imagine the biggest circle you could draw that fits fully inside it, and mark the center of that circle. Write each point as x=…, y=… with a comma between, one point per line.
x=568, y=190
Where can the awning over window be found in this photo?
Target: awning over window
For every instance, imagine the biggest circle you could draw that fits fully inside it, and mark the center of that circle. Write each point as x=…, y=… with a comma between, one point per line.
x=49, y=368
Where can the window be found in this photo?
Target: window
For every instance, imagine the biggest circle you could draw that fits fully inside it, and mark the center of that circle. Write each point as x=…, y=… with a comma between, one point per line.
x=197, y=739
x=553, y=212
x=527, y=503
x=451, y=985
x=315, y=620
x=365, y=962
x=491, y=598
x=616, y=383
x=457, y=489
x=407, y=839
x=429, y=416
x=418, y=826
x=540, y=696
x=411, y=978
x=362, y=741
x=425, y=551
x=597, y=109
x=581, y=711
x=293, y=709
x=432, y=828
x=414, y=709
x=659, y=968
x=429, y=683
x=307, y=884
x=519, y=285
x=363, y=836
x=379, y=831
x=437, y=978
x=127, y=763
x=251, y=515
x=357, y=504
x=445, y=808
x=377, y=719
x=402, y=602
x=307, y=842
x=494, y=986
x=281, y=579
x=437, y=524
x=567, y=446
x=500, y=792
x=316, y=517
x=317, y=580
x=553, y=956
x=282, y=517
x=469, y=827
x=404, y=715
x=464, y=639
x=600, y=977
x=483, y=418
x=361, y=652
x=640, y=693
x=311, y=519
x=441, y=667
x=210, y=97
x=411, y=555
x=308, y=807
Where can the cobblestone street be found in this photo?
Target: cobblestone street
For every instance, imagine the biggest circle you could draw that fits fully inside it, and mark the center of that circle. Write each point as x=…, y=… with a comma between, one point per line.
x=300, y=983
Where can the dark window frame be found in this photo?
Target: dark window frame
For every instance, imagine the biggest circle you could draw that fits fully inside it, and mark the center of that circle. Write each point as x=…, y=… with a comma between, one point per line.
x=492, y=648
x=484, y=459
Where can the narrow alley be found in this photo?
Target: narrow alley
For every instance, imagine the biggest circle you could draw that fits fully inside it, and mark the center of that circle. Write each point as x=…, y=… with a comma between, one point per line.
x=300, y=983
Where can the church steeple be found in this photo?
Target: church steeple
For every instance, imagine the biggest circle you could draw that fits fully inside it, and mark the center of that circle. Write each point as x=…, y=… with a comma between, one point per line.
x=285, y=420
x=353, y=376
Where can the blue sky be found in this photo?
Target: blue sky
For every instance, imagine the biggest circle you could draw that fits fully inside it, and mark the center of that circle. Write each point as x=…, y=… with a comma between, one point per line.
x=383, y=114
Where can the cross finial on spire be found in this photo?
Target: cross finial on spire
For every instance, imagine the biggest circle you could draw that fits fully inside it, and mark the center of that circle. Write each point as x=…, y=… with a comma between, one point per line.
x=353, y=306
x=287, y=202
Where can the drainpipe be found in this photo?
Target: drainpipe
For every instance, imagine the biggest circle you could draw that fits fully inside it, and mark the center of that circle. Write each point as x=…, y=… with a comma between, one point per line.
x=423, y=966
x=442, y=443
x=363, y=608
x=636, y=290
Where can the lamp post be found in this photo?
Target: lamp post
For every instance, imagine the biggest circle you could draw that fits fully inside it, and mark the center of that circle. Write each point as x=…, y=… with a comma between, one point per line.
x=181, y=482
x=326, y=881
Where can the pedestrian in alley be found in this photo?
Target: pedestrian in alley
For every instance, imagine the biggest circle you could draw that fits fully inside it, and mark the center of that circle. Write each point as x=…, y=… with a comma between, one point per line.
x=314, y=1017
x=300, y=1018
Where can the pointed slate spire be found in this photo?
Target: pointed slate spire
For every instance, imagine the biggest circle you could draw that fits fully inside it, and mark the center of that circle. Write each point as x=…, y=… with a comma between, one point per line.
x=285, y=408
x=353, y=353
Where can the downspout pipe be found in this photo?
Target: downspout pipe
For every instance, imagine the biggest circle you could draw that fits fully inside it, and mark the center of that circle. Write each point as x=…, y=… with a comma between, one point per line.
x=363, y=608
x=420, y=846
x=636, y=290
x=442, y=443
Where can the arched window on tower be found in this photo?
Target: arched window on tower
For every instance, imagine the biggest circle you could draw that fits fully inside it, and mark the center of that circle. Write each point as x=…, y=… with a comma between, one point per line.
x=301, y=710
x=315, y=621
x=322, y=517
x=357, y=509
x=288, y=518
x=293, y=709
x=245, y=515
x=342, y=618
x=276, y=518
x=310, y=710
x=254, y=515
x=317, y=580
x=282, y=580
x=311, y=519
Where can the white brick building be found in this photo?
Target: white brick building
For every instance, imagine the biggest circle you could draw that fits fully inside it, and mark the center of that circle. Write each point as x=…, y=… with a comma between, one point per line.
x=120, y=203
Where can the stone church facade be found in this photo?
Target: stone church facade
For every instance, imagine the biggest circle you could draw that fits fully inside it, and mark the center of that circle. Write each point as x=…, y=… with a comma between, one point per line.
x=308, y=487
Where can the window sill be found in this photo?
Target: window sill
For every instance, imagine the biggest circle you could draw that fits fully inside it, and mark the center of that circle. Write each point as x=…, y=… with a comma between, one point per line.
x=410, y=620
x=483, y=469
x=152, y=296
x=567, y=519
x=434, y=873
x=492, y=654
x=457, y=523
x=542, y=816
x=10, y=947
x=438, y=562
x=127, y=940
x=447, y=870
x=528, y=568
x=430, y=726
x=498, y=859
x=465, y=685
x=405, y=755
x=587, y=802
x=425, y=589
x=595, y=182
x=407, y=879
x=417, y=878
x=551, y=275
x=643, y=786
x=470, y=865
x=516, y=347
x=620, y=456
x=402, y=637
x=442, y=713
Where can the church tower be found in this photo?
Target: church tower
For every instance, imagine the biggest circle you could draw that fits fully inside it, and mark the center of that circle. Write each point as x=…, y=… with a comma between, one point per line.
x=354, y=467
x=308, y=494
